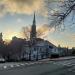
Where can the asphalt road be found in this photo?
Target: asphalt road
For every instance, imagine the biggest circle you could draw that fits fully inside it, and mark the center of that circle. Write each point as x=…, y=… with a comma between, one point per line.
x=66, y=67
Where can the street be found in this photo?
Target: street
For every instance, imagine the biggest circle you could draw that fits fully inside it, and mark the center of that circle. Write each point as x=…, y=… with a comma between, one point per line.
x=65, y=67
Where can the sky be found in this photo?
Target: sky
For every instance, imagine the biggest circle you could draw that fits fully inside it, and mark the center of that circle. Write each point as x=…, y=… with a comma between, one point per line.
x=15, y=14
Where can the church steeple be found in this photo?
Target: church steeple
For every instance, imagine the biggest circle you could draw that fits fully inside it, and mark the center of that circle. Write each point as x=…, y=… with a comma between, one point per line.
x=33, y=29
x=34, y=21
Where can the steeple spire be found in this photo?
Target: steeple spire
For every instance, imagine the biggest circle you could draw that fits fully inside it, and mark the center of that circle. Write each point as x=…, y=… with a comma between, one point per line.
x=34, y=21
x=33, y=29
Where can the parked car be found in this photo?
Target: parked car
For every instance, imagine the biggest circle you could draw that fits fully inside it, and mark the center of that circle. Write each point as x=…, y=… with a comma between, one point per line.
x=55, y=53
x=2, y=60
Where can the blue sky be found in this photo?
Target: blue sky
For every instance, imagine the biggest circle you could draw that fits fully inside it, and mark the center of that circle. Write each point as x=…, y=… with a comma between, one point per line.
x=15, y=14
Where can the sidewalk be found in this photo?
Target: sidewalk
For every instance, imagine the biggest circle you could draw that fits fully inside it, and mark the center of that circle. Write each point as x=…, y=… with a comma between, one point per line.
x=63, y=58
x=58, y=59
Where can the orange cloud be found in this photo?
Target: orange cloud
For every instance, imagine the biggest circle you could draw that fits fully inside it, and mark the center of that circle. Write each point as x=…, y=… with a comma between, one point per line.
x=9, y=34
x=21, y=6
x=42, y=31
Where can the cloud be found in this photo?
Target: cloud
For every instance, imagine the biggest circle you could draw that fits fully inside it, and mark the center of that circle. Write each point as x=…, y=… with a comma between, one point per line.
x=72, y=37
x=43, y=31
x=21, y=6
x=19, y=20
x=9, y=33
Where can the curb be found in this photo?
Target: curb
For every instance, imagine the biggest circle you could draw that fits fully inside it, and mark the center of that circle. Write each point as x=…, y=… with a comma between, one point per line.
x=62, y=59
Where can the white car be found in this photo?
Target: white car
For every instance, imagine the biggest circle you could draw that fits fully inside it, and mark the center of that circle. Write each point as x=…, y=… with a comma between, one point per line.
x=2, y=60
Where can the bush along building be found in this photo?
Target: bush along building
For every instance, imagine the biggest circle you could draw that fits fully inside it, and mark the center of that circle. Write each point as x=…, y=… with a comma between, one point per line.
x=36, y=48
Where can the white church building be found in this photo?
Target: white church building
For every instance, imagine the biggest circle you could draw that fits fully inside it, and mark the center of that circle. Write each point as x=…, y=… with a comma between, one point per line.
x=36, y=48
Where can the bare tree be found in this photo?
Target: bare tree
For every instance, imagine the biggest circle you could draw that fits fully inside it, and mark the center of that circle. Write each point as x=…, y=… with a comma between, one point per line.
x=58, y=10
x=41, y=31
x=26, y=32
